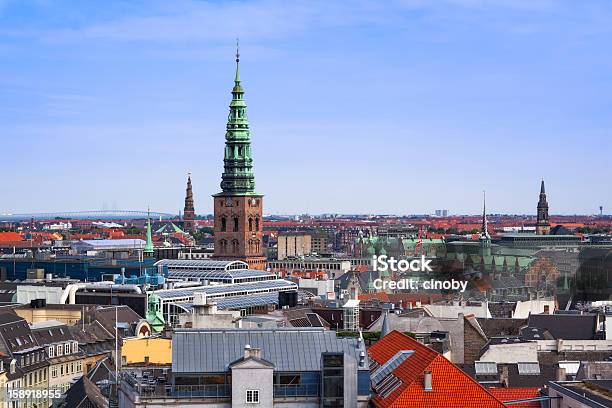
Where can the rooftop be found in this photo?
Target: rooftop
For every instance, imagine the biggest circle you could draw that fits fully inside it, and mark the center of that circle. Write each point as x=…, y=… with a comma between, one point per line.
x=210, y=351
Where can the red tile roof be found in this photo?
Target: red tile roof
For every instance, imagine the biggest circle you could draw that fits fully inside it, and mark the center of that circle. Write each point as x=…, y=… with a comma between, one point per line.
x=451, y=386
x=514, y=394
x=10, y=237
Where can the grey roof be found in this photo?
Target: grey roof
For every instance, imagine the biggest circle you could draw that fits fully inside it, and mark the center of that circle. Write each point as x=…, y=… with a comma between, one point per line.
x=211, y=351
x=203, y=264
x=566, y=326
x=228, y=290
x=221, y=275
x=242, y=302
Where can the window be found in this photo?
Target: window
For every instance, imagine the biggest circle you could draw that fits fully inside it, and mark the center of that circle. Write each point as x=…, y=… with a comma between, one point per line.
x=79, y=366
x=235, y=224
x=223, y=224
x=485, y=368
x=252, y=396
x=67, y=348
x=60, y=350
x=75, y=347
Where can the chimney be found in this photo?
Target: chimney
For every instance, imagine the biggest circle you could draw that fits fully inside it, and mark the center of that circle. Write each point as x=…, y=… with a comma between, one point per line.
x=504, y=376
x=427, y=381
x=251, y=351
x=561, y=374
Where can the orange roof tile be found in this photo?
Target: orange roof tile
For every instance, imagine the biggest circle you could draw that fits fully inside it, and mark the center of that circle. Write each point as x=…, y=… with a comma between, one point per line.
x=514, y=394
x=452, y=388
x=10, y=237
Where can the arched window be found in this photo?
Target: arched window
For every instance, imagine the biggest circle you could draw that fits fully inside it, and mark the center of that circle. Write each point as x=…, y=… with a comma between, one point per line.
x=235, y=246
x=223, y=224
x=250, y=224
x=223, y=246
x=257, y=224
x=235, y=224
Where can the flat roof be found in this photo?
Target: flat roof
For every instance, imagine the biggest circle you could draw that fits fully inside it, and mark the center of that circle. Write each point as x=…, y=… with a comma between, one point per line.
x=227, y=289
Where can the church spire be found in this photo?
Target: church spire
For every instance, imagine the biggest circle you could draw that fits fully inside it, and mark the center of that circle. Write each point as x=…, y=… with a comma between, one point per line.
x=485, y=238
x=188, y=210
x=542, y=224
x=237, y=178
x=148, y=248
x=237, y=78
x=484, y=233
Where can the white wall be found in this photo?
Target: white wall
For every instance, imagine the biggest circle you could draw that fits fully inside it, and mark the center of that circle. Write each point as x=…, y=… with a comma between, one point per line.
x=511, y=353
x=26, y=293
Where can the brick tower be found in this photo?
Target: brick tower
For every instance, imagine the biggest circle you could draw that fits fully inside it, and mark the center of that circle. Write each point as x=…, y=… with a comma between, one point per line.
x=238, y=208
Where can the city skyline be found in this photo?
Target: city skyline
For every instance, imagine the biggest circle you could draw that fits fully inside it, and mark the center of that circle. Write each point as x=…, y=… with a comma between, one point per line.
x=118, y=108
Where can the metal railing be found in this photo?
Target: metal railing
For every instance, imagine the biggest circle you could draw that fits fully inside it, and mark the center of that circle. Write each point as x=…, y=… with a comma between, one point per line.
x=296, y=390
x=153, y=389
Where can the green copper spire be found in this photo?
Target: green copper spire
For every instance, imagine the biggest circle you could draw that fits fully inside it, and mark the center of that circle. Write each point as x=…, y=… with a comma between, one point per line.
x=237, y=178
x=148, y=249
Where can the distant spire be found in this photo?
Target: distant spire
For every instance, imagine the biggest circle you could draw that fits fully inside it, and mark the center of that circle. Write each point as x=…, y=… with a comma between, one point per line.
x=189, y=211
x=148, y=249
x=543, y=223
x=484, y=234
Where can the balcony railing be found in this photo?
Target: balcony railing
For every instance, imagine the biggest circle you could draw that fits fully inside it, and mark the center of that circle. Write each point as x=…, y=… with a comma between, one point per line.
x=296, y=390
x=156, y=390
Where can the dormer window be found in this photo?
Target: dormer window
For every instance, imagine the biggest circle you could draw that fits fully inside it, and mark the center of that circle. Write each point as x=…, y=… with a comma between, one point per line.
x=51, y=351
x=75, y=347
x=67, y=348
x=60, y=350
x=13, y=366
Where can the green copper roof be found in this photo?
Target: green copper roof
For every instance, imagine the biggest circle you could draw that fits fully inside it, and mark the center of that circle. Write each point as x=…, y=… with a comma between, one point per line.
x=238, y=177
x=148, y=249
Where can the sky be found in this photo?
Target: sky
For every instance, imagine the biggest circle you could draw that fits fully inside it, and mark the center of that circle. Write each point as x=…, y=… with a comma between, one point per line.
x=394, y=107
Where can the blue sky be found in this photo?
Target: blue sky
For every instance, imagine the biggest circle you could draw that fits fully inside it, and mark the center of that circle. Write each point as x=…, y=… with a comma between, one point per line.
x=357, y=107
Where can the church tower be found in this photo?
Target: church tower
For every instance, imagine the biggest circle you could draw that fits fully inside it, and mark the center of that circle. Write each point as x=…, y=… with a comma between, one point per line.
x=543, y=224
x=485, y=238
x=189, y=211
x=238, y=208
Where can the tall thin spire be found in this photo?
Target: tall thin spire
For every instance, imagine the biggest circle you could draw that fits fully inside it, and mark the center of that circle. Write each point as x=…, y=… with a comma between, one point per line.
x=542, y=189
x=484, y=233
x=237, y=177
x=148, y=249
x=237, y=78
